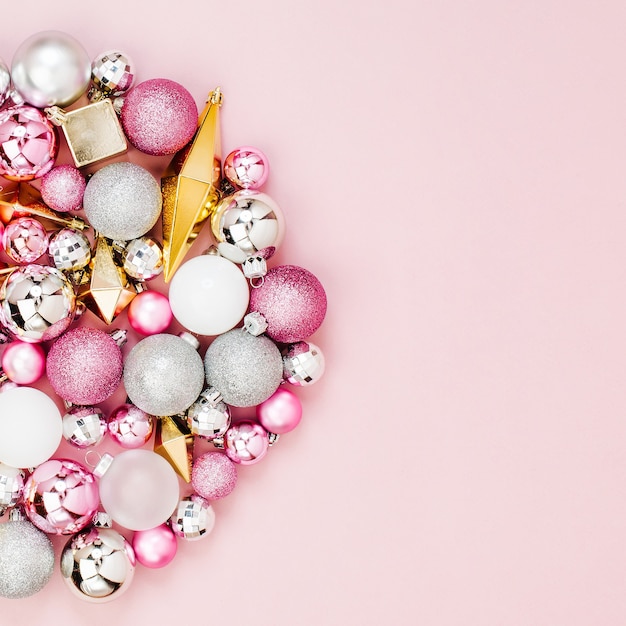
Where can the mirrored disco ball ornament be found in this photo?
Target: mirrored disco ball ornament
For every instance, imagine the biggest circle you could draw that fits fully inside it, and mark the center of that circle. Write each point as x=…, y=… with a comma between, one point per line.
x=143, y=259
x=303, y=363
x=11, y=486
x=194, y=518
x=69, y=250
x=37, y=303
x=209, y=415
x=112, y=73
x=84, y=426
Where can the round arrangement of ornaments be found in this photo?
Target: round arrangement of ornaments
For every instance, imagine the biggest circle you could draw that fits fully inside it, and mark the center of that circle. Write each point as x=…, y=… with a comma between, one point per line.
x=80, y=249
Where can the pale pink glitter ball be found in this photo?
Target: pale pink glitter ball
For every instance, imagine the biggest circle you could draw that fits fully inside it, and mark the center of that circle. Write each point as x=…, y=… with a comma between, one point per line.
x=159, y=116
x=84, y=366
x=213, y=475
x=62, y=188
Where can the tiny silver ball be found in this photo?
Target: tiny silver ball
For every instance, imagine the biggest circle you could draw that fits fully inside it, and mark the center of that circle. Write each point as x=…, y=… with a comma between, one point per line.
x=207, y=417
x=193, y=519
x=69, y=250
x=143, y=259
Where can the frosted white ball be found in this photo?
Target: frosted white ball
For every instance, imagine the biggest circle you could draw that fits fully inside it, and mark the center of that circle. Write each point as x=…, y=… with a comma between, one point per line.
x=31, y=427
x=122, y=201
x=209, y=295
x=139, y=490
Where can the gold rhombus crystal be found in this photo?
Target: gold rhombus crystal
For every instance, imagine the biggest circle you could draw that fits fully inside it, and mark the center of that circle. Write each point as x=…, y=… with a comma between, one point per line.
x=174, y=442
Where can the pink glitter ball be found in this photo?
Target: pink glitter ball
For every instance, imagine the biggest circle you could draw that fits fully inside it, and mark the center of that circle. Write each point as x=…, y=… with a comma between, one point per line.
x=84, y=366
x=293, y=302
x=62, y=188
x=159, y=116
x=213, y=475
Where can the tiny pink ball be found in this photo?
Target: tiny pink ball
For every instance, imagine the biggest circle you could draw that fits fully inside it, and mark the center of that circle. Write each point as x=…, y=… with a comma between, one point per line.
x=213, y=475
x=129, y=426
x=25, y=240
x=281, y=412
x=23, y=363
x=150, y=313
x=246, y=442
x=159, y=116
x=246, y=168
x=63, y=188
x=155, y=547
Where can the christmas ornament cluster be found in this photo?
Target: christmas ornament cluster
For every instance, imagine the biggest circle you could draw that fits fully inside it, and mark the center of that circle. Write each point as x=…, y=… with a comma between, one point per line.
x=82, y=238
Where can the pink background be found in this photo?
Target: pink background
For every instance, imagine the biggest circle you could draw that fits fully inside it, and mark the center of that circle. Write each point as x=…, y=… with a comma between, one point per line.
x=453, y=172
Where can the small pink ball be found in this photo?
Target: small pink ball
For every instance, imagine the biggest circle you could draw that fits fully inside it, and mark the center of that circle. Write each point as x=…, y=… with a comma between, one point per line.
x=63, y=188
x=150, y=313
x=293, y=302
x=23, y=363
x=213, y=475
x=246, y=442
x=25, y=240
x=155, y=547
x=281, y=412
x=84, y=366
x=246, y=168
x=159, y=116
x=129, y=426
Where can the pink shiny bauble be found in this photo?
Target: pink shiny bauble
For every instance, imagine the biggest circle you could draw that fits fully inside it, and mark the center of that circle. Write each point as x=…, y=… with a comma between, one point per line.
x=246, y=442
x=293, y=302
x=84, y=366
x=281, y=412
x=159, y=116
x=155, y=547
x=150, y=313
x=130, y=427
x=25, y=240
x=28, y=143
x=61, y=497
x=213, y=475
x=246, y=168
x=23, y=363
x=63, y=188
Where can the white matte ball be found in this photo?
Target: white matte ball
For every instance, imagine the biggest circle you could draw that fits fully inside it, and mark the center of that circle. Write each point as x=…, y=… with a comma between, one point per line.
x=209, y=295
x=122, y=201
x=139, y=490
x=31, y=427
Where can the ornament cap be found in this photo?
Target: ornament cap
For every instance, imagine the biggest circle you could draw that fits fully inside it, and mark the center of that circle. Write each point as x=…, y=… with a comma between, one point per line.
x=103, y=465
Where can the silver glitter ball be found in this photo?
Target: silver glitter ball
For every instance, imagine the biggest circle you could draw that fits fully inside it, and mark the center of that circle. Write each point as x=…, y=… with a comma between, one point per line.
x=163, y=375
x=26, y=559
x=303, y=363
x=37, y=303
x=143, y=259
x=11, y=486
x=122, y=201
x=194, y=518
x=245, y=369
x=69, y=250
x=209, y=415
x=98, y=564
x=245, y=223
x=112, y=73
x=84, y=426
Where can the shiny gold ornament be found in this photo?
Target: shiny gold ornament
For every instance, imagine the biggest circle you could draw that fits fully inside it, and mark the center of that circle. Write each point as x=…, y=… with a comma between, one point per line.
x=109, y=291
x=19, y=199
x=93, y=132
x=190, y=187
x=174, y=442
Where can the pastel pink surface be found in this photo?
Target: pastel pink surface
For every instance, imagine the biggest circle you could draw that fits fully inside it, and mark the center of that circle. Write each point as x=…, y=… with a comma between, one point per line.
x=453, y=173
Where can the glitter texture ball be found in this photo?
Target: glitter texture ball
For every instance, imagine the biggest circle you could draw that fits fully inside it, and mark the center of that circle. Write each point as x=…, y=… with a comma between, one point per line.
x=293, y=302
x=143, y=259
x=122, y=201
x=213, y=475
x=26, y=559
x=194, y=518
x=69, y=250
x=84, y=366
x=303, y=363
x=129, y=426
x=159, y=116
x=61, y=497
x=246, y=167
x=84, y=426
x=28, y=143
x=25, y=240
x=163, y=374
x=112, y=73
x=245, y=369
x=37, y=303
x=62, y=188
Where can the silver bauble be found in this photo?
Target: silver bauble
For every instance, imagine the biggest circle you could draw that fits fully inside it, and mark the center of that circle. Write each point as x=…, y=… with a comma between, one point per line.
x=5, y=81
x=84, y=426
x=245, y=369
x=163, y=375
x=26, y=559
x=112, y=73
x=37, y=303
x=193, y=519
x=98, y=564
x=69, y=250
x=245, y=223
x=209, y=415
x=51, y=68
x=303, y=363
x=122, y=201
x=143, y=259
x=11, y=486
